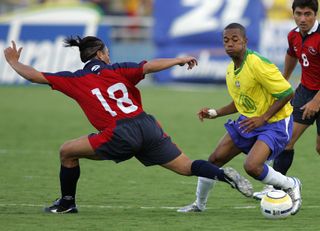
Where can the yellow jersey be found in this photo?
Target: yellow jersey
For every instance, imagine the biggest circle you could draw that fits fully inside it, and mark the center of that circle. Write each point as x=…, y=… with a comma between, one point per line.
x=256, y=85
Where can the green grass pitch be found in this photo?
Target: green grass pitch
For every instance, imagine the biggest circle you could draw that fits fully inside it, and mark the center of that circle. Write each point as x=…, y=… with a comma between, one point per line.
x=35, y=121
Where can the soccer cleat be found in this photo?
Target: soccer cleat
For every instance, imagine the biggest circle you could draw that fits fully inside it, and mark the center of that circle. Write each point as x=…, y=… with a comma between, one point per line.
x=258, y=195
x=238, y=182
x=295, y=194
x=58, y=208
x=190, y=209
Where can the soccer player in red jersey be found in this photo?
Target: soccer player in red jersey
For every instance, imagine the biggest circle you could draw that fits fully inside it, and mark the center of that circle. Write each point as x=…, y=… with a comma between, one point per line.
x=304, y=46
x=108, y=96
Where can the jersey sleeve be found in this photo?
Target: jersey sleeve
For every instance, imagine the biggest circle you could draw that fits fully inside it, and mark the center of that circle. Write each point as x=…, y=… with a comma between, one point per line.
x=130, y=70
x=290, y=50
x=61, y=81
x=269, y=76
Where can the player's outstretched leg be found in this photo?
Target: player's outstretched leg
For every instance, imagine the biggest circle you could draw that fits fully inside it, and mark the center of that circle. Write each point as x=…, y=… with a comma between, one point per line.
x=228, y=175
x=238, y=182
x=60, y=207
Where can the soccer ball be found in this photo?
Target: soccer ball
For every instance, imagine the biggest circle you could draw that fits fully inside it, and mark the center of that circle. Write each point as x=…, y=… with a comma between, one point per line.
x=276, y=204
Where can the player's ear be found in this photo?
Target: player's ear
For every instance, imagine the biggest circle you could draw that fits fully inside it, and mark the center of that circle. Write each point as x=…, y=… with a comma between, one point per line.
x=245, y=40
x=99, y=54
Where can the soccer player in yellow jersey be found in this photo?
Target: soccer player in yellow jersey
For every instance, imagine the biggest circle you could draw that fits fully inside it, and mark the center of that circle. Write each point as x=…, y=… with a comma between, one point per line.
x=261, y=95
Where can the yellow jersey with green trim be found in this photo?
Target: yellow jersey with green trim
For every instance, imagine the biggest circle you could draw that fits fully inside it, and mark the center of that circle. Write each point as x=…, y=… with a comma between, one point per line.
x=256, y=85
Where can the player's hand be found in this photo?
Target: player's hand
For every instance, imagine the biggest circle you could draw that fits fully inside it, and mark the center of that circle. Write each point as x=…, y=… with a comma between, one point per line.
x=310, y=109
x=191, y=61
x=207, y=113
x=249, y=124
x=12, y=54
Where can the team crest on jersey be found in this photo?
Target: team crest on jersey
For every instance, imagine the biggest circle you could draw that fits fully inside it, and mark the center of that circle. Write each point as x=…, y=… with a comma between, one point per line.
x=248, y=104
x=312, y=51
x=95, y=68
x=295, y=48
x=237, y=83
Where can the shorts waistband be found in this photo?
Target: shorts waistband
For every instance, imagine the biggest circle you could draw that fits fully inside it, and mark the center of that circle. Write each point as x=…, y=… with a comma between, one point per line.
x=127, y=120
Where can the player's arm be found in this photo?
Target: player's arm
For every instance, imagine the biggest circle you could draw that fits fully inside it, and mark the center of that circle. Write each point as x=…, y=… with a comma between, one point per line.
x=251, y=123
x=290, y=63
x=162, y=64
x=12, y=55
x=277, y=105
x=312, y=107
x=207, y=113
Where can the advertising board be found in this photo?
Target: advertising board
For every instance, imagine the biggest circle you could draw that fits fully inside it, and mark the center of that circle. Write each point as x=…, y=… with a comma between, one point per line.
x=41, y=33
x=194, y=27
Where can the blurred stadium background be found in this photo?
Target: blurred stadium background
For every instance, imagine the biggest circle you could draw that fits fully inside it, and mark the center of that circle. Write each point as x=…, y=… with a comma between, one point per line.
x=143, y=29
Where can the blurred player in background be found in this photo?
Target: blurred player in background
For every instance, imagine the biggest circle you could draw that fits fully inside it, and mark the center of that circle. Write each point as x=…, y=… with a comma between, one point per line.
x=261, y=95
x=108, y=96
x=304, y=46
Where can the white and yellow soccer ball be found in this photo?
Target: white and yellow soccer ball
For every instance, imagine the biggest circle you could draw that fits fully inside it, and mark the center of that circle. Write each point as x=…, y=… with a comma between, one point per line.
x=276, y=204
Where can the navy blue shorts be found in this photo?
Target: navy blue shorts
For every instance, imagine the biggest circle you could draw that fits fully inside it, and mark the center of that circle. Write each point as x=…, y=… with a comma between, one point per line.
x=276, y=135
x=302, y=96
x=141, y=137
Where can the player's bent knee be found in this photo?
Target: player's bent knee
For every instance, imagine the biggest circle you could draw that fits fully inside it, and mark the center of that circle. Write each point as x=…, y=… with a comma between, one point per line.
x=65, y=151
x=252, y=169
x=215, y=159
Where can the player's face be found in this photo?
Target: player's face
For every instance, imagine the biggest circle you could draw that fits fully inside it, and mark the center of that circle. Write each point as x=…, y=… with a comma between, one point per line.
x=304, y=18
x=234, y=42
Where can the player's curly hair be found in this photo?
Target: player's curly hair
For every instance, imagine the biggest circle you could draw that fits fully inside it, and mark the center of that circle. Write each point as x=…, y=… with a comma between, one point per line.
x=88, y=46
x=312, y=4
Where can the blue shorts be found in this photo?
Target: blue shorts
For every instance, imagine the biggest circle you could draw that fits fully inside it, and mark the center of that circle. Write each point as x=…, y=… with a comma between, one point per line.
x=141, y=137
x=301, y=97
x=276, y=135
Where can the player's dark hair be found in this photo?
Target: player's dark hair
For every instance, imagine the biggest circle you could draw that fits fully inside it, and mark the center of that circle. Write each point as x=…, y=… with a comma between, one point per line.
x=88, y=46
x=237, y=26
x=312, y=4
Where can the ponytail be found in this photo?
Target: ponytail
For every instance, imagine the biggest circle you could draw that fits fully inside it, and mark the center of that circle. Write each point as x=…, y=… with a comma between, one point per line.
x=88, y=46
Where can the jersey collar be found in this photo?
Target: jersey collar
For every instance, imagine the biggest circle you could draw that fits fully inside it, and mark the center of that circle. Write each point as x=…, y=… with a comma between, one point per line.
x=93, y=62
x=313, y=29
x=237, y=71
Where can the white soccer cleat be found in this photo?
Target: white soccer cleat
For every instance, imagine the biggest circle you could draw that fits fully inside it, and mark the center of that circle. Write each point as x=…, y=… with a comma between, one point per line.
x=193, y=208
x=238, y=182
x=258, y=195
x=295, y=194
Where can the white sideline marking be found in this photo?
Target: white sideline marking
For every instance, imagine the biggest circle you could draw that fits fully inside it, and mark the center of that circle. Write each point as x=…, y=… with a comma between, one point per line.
x=142, y=207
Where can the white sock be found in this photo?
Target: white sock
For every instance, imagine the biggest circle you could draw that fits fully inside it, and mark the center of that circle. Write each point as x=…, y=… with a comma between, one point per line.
x=277, y=179
x=203, y=188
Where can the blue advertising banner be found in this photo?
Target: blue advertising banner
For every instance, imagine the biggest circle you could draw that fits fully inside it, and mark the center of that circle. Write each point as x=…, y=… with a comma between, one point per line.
x=41, y=33
x=194, y=27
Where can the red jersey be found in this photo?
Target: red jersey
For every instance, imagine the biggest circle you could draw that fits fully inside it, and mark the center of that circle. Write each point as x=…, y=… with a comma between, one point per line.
x=106, y=93
x=307, y=51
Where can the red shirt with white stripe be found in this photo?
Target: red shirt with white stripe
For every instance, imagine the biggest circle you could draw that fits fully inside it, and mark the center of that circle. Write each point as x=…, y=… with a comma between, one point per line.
x=307, y=51
x=106, y=93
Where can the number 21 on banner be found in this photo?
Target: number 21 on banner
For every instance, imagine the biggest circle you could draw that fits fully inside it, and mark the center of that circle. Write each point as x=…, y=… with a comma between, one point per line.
x=208, y=15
